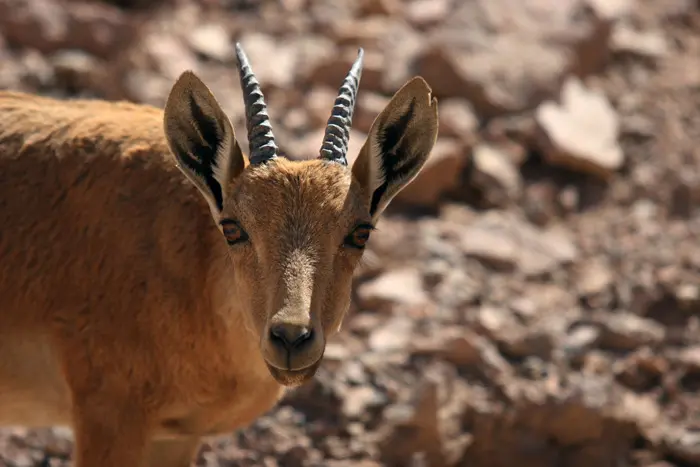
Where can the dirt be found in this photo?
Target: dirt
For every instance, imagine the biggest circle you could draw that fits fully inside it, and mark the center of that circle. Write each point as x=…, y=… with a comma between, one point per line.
x=534, y=297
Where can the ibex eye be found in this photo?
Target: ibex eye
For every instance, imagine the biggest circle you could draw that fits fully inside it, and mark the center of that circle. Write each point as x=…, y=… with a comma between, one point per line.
x=233, y=232
x=359, y=236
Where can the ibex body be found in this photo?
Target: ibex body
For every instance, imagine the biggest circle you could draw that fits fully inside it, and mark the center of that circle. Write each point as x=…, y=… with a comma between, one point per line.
x=146, y=309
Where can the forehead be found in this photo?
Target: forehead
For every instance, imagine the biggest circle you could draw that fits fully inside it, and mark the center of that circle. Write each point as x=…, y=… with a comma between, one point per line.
x=304, y=192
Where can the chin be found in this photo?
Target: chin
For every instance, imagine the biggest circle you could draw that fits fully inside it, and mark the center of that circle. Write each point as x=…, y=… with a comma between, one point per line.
x=294, y=378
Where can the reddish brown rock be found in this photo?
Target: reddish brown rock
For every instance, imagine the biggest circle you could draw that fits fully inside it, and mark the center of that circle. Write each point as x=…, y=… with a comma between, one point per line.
x=440, y=174
x=49, y=25
x=513, y=53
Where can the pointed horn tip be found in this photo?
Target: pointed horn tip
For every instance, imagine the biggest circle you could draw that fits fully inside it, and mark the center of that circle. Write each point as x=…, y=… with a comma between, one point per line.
x=358, y=64
x=360, y=56
x=241, y=55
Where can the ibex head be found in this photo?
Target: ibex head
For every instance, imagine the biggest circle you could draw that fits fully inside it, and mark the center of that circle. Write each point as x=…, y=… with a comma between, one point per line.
x=296, y=229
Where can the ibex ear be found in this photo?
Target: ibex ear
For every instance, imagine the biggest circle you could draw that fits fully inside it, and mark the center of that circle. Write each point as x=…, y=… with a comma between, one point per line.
x=398, y=144
x=202, y=140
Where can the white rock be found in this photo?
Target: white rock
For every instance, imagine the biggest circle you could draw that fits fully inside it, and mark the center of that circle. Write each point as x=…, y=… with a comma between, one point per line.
x=395, y=334
x=398, y=286
x=457, y=118
x=581, y=132
x=612, y=9
x=495, y=174
x=507, y=241
x=272, y=61
x=650, y=44
x=213, y=41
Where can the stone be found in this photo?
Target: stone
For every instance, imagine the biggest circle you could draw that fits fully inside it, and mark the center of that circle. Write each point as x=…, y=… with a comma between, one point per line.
x=330, y=70
x=546, y=249
x=274, y=61
x=296, y=119
x=494, y=87
x=468, y=350
x=319, y=103
x=308, y=146
x=369, y=106
x=506, y=242
x=310, y=52
x=611, y=9
x=401, y=45
x=380, y=7
x=424, y=13
x=49, y=25
x=650, y=44
x=358, y=400
x=581, y=132
x=420, y=434
x=366, y=33
x=495, y=175
x=494, y=248
x=147, y=87
x=689, y=359
x=394, y=287
x=76, y=69
x=394, y=334
x=642, y=370
x=457, y=119
x=683, y=444
x=581, y=339
x=643, y=410
x=493, y=321
x=627, y=331
x=170, y=55
x=506, y=56
x=456, y=288
x=212, y=40
x=593, y=277
x=441, y=174
x=526, y=343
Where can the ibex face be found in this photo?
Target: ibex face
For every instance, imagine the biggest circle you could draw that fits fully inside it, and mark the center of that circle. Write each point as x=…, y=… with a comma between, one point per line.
x=296, y=230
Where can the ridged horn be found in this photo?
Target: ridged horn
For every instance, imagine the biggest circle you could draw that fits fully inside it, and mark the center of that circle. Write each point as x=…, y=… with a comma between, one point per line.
x=335, y=141
x=261, y=141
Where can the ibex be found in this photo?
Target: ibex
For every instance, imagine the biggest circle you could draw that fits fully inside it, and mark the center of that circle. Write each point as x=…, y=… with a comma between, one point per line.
x=144, y=318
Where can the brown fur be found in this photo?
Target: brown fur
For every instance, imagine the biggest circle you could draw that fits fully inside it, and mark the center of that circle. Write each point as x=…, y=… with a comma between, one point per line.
x=123, y=312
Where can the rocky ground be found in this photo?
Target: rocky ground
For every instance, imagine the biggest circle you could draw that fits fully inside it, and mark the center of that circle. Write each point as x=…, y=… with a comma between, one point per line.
x=534, y=296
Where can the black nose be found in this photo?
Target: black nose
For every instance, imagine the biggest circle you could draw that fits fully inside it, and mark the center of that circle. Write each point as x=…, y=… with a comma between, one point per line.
x=291, y=336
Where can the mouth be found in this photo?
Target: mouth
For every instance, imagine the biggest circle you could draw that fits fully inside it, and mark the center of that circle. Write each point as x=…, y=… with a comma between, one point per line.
x=294, y=378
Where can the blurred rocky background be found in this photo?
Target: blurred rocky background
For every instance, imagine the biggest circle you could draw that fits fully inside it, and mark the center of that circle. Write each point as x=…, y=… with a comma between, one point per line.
x=533, y=298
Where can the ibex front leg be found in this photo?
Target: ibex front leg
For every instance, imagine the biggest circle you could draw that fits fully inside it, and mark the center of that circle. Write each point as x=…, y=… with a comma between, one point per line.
x=174, y=452
x=110, y=433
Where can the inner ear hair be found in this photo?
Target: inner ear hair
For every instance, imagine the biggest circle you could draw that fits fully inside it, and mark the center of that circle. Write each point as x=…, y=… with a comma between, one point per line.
x=201, y=138
x=398, y=144
x=393, y=167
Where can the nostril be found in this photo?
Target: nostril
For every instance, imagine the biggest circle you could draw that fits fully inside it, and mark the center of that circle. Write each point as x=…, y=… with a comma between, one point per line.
x=307, y=335
x=290, y=336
